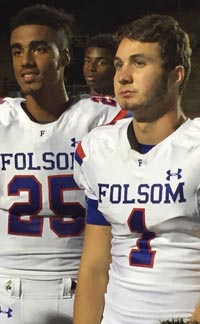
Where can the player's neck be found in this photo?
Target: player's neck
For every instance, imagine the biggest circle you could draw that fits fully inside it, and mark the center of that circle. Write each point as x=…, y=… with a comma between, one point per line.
x=102, y=92
x=46, y=105
x=46, y=109
x=154, y=132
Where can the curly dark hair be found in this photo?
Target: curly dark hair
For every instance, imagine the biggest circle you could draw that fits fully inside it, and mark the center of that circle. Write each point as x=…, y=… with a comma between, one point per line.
x=41, y=14
x=173, y=40
x=102, y=40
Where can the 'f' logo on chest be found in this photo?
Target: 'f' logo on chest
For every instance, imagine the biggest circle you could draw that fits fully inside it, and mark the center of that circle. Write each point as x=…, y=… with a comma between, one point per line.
x=42, y=132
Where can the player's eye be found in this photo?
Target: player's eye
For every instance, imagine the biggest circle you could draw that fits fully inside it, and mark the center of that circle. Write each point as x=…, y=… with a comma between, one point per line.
x=139, y=63
x=102, y=62
x=16, y=52
x=41, y=49
x=86, y=61
x=117, y=64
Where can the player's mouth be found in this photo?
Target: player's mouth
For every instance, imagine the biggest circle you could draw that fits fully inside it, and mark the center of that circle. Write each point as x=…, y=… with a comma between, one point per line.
x=29, y=76
x=127, y=94
x=91, y=78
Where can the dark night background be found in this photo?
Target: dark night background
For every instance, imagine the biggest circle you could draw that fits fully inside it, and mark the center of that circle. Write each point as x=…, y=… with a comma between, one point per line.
x=103, y=15
x=106, y=16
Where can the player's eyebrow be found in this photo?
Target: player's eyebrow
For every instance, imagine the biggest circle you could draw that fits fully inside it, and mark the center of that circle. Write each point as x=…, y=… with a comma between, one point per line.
x=32, y=44
x=95, y=57
x=15, y=45
x=131, y=57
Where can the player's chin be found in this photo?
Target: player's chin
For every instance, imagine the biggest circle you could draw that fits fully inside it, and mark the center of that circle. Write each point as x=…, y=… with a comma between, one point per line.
x=32, y=86
x=125, y=103
x=29, y=90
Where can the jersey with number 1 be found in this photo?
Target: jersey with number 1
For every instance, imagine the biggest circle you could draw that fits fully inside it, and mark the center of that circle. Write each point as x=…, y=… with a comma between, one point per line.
x=42, y=210
x=152, y=203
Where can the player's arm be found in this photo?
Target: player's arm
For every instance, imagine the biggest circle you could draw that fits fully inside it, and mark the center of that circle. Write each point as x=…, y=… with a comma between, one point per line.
x=93, y=275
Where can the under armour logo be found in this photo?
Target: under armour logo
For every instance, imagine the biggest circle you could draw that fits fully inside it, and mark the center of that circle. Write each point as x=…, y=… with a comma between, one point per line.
x=8, y=312
x=174, y=174
x=140, y=162
x=42, y=132
x=74, y=142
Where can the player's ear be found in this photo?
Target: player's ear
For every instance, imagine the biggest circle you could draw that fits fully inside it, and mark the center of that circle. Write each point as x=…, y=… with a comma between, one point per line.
x=65, y=57
x=178, y=75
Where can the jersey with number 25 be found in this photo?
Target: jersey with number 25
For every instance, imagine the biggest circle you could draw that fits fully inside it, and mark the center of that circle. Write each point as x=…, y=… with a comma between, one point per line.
x=42, y=210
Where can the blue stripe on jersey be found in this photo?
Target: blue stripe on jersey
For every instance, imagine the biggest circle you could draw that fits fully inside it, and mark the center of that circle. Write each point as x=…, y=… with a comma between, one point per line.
x=79, y=154
x=144, y=148
x=93, y=215
x=129, y=114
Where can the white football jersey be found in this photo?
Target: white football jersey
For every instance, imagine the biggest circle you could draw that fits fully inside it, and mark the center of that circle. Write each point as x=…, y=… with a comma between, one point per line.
x=152, y=203
x=42, y=211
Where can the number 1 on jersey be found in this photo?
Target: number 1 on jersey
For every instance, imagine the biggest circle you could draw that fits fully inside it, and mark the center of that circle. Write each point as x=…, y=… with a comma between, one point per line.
x=143, y=256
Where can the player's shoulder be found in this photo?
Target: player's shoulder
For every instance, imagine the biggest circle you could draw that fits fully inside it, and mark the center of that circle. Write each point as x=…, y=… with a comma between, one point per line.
x=102, y=142
x=107, y=135
x=195, y=123
x=97, y=103
x=189, y=134
x=195, y=130
x=9, y=107
x=104, y=100
x=12, y=103
x=192, y=127
x=95, y=111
